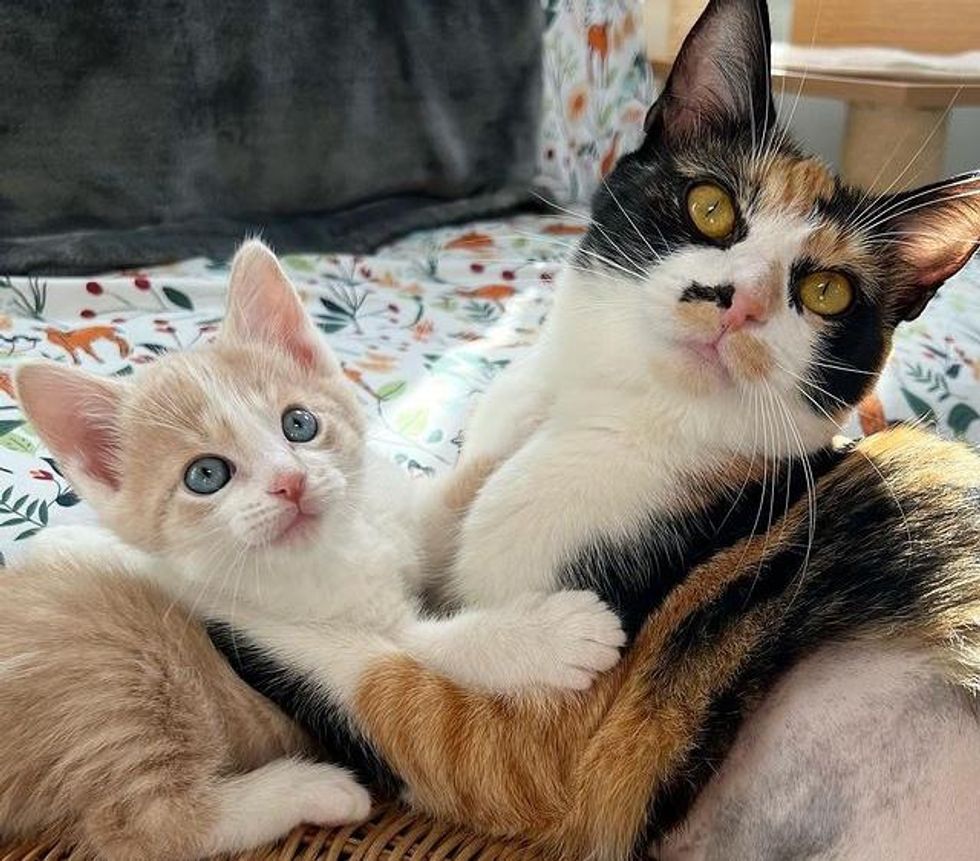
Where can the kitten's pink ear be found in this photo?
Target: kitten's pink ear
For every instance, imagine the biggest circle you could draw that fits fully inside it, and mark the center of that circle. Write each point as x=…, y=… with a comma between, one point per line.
x=721, y=76
x=76, y=414
x=934, y=232
x=263, y=306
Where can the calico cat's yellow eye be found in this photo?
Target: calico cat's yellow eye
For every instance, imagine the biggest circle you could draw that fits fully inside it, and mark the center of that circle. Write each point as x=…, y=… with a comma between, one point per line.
x=826, y=293
x=712, y=210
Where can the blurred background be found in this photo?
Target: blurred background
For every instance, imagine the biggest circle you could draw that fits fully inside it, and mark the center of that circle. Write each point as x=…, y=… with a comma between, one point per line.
x=923, y=55
x=820, y=122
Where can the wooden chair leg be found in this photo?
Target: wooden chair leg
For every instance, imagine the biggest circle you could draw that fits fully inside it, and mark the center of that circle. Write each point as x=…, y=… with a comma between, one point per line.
x=881, y=141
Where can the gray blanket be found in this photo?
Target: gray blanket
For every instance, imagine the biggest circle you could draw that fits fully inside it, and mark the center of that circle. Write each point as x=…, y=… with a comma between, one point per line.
x=136, y=132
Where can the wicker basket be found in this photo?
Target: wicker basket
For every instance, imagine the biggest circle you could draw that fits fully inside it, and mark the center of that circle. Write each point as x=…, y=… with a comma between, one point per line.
x=392, y=834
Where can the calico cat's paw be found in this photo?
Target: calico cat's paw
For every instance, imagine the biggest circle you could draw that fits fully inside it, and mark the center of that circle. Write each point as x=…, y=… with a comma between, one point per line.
x=558, y=640
x=574, y=636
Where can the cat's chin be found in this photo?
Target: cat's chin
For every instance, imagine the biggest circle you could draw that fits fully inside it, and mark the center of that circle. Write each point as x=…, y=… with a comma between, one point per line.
x=303, y=529
x=703, y=366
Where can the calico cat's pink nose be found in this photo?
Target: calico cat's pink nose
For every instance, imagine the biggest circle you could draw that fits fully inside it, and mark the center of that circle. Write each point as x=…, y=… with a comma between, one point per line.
x=746, y=307
x=289, y=485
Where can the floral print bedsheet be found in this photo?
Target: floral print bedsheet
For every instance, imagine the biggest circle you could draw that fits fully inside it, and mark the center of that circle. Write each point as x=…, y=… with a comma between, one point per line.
x=421, y=328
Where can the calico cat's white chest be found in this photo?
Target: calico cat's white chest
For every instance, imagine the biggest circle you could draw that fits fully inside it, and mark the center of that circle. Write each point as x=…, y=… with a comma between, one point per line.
x=569, y=487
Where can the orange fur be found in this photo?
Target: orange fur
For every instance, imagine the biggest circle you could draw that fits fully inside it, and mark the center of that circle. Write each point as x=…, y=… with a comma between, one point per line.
x=575, y=774
x=134, y=717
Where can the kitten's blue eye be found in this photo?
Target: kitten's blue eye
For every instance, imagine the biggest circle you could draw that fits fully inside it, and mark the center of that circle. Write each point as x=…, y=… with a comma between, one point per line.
x=207, y=475
x=299, y=425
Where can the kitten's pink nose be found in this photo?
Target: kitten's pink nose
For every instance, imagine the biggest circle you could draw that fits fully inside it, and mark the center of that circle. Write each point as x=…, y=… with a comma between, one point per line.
x=289, y=485
x=746, y=306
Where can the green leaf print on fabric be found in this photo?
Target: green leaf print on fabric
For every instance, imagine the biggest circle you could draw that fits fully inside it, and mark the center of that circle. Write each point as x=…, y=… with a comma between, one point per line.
x=919, y=407
x=178, y=298
x=390, y=391
x=960, y=418
x=30, y=299
x=7, y=425
x=18, y=515
x=413, y=422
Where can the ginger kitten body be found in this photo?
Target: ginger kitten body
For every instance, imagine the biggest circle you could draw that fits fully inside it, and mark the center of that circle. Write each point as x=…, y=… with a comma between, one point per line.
x=238, y=490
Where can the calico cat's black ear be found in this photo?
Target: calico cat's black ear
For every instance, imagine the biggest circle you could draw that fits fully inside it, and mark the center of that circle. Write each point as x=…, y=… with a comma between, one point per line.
x=934, y=232
x=721, y=75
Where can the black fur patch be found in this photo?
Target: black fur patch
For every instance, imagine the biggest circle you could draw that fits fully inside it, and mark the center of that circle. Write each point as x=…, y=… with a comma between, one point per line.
x=663, y=555
x=855, y=583
x=720, y=295
x=293, y=693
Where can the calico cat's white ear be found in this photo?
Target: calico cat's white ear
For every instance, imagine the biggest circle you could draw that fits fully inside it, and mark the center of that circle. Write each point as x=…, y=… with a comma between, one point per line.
x=76, y=414
x=934, y=232
x=263, y=305
x=721, y=76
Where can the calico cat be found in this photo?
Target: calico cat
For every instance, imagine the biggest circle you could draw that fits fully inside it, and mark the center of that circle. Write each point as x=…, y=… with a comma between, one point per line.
x=670, y=443
x=237, y=487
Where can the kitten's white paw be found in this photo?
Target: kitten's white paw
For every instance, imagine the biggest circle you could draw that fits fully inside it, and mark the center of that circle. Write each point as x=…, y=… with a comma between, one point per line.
x=577, y=636
x=330, y=796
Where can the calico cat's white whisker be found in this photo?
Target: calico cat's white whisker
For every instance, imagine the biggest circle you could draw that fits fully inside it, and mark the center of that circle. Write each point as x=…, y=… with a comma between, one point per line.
x=890, y=237
x=819, y=407
x=584, y=217
x=939, y=124
x=575, y=248
x=754, y=392
x=811, y=496
x=893, y=209
x=807, y=382
x=819, y=362
x=632, y=223
x=591, y=224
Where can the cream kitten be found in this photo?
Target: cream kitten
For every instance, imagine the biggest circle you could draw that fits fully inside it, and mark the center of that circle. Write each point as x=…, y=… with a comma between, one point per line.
x=238, y=480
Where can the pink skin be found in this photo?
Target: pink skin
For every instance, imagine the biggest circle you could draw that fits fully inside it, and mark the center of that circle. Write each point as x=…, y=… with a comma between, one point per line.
x=860, y=754
x=290, y=487
x=748, y=308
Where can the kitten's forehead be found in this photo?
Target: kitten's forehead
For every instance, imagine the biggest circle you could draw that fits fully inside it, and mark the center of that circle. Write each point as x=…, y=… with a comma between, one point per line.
x=229, y=391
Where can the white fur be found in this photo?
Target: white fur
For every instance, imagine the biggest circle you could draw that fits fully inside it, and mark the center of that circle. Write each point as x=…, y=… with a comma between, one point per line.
x=261, y=805
x=607, y=421
x=333, y=608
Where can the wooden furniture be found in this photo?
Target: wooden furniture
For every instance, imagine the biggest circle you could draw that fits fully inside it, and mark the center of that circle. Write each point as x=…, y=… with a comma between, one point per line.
x=392, y=834
x=895, y=117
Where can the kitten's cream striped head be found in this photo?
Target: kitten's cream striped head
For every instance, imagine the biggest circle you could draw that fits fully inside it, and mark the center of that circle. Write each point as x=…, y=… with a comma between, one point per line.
x=240, y=451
